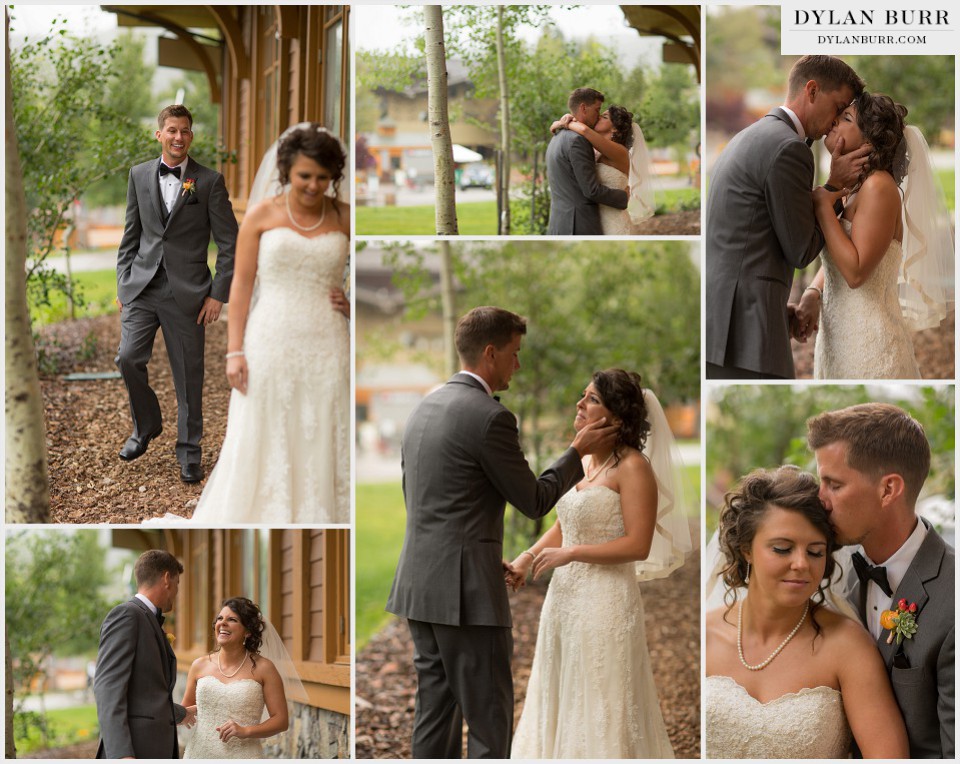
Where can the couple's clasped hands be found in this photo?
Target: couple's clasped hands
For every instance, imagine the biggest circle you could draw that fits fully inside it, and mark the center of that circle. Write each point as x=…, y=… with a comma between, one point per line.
x=593, y=437
x=228, y=730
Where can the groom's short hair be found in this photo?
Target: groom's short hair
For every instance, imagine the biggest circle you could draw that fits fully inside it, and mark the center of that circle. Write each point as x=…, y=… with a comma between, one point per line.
x=830, y=72
x=484, y=326
x=586, y=96
x=881, y=439
x=175, y=111
x=152, y=564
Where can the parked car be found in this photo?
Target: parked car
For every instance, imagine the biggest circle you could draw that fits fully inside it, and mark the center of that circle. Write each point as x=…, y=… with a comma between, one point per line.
x=476, y=176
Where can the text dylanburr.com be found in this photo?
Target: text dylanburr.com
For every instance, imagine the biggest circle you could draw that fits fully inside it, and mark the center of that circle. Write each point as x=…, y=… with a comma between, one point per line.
x=884, y=28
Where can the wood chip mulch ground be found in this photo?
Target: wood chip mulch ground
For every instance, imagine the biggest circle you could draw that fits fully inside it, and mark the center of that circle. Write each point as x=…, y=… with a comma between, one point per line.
x=88, y=422
x=386, y=680
x=674, y=224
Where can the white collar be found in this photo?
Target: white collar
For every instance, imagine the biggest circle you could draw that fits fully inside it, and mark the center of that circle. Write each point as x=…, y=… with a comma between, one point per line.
x=897, y=564
x=146, y=601
x=481, y=380
x=796, y=121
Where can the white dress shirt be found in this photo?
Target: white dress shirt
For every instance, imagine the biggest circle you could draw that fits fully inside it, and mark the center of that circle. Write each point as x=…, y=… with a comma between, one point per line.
x=170, y=184
x=896, y=566
x=480, y=379
x=146, y=601
x=796, y=122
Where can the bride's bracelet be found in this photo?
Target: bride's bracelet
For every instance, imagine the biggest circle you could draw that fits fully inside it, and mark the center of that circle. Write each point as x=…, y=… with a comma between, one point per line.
x=817, y=290
x=234, y=354
x=527, y=551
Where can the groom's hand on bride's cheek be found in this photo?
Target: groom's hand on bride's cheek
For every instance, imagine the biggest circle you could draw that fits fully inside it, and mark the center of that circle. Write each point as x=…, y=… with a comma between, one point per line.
x=845, y=169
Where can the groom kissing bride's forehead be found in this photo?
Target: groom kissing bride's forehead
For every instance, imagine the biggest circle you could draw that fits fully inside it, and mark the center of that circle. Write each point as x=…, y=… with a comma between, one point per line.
x=873, y=460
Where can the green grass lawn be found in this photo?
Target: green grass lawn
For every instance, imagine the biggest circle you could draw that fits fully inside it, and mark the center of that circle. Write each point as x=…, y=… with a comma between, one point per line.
x=67, y=726
x=381, y=518
x=98, y=292
x=473, y=218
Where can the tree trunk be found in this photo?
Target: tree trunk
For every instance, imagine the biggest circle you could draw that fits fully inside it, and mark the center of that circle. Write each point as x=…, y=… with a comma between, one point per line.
x=28, y=497
x=503, y=180
x=443, y=179
x=9, y=750
x=448, y=300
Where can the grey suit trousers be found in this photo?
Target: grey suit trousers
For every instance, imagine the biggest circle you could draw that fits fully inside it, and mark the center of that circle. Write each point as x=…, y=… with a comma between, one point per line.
x=451, y=690
x=155, y=307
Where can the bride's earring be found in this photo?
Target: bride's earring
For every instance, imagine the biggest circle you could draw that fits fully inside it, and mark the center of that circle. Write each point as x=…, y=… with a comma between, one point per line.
x=746, y=580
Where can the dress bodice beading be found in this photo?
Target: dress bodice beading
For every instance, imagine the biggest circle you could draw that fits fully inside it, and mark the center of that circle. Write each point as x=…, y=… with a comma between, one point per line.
x=809, y=724
x=219, y=702
x=862, y=333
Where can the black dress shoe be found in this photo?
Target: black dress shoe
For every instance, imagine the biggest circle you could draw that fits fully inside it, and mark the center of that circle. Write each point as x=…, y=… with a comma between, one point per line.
x=134, y=449
x=191, y=473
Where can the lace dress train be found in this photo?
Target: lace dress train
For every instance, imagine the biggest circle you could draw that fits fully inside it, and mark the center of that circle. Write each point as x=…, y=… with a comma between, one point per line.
x=591, y=692
x=219, y=702
x=285, y=457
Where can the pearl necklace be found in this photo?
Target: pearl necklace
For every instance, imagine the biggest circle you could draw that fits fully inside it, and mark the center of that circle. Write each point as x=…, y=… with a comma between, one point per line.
x=313, y=227
x=776, y=652
x=237, y=671
x=590, y=478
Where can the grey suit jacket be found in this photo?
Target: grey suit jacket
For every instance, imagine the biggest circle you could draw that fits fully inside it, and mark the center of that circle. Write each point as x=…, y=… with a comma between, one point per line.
x=760, y=227
x=461, y=463
x=133, y=685
x=179, y=239
x=575, y=191
x=922, y=669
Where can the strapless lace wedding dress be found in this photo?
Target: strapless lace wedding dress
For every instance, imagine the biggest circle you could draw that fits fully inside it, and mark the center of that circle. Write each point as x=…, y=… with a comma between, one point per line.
x=613, y=222
x=809, y=724
x=285, y=457
x=591, y=693
x=241, y=701
x=862, y=331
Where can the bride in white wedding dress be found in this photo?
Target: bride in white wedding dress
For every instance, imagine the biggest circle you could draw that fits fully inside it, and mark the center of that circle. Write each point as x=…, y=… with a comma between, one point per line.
x=786, y=676
x=623, y=162
x=237, y=692
x=887, y=264
x=285, y=457
x=591, y=692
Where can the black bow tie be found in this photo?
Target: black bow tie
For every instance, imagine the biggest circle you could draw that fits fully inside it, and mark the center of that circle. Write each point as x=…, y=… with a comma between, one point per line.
x=160, y=618
x=808, y=141
x=164, y=170
x=867, y=572
x=496, y=398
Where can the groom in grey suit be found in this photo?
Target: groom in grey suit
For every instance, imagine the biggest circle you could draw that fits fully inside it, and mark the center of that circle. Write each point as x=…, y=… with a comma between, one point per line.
x=873, y=460
x=163, y=281
x=761, y=224
x=575, y=192
x=137, y=670
x=461, y=463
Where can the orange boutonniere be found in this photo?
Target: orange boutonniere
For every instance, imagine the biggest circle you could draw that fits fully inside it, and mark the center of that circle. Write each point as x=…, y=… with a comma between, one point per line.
x=902, y=622
x=189, y=186
x=171, y=637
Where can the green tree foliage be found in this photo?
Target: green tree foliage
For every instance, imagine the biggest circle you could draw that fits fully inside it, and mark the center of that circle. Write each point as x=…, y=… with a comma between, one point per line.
x=750, y=426
x=54, y=604
x=70, y=132
x=924, y=84
x=670, y=115
x=131, y=95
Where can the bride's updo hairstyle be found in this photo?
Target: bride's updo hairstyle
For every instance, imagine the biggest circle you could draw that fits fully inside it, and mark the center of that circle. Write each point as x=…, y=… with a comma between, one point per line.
x=622, y=126
x=316, y=144
x=786, y=487
x=252, y=620
x=882, y=121
x=622, y=393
